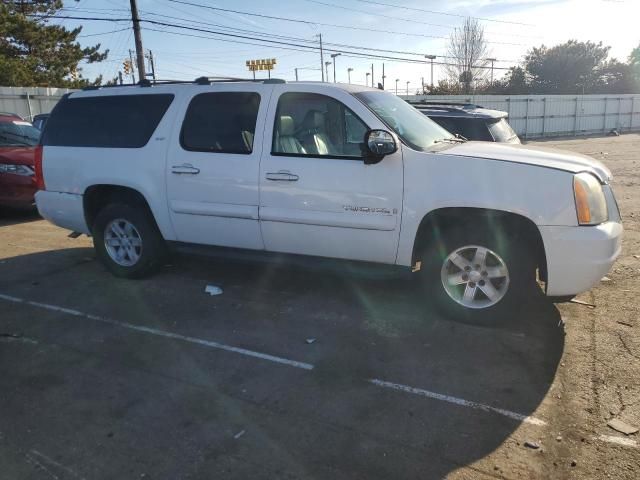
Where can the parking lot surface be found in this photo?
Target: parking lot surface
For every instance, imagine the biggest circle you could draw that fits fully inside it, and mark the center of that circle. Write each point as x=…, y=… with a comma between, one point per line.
x=296, y=373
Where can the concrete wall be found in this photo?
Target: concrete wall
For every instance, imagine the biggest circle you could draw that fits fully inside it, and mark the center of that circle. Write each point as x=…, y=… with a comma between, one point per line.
x=30, y=101
x=534, y=116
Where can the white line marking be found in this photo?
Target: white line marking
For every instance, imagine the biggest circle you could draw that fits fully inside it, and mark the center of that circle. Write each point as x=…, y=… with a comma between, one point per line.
x=626, y=442
x=59, y=465
x=163, y=333
x=459, y=401
x=293, y=363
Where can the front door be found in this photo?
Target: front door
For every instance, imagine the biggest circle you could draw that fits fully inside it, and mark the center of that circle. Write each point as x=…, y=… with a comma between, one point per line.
x=213, y=166
x=317, y=197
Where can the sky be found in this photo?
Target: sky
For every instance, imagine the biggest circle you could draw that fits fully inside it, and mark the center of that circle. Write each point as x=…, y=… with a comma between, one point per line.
x=512, y=27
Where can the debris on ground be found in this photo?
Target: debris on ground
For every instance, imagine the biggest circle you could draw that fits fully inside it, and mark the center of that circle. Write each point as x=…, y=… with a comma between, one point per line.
x=636, y=256
x=573, y=463
x=310, y=340
x=582, y=302
x=239, y=434
x=532, y=445
x=624, y=323
x=559, y=438
x=605, y=279
x=213, y=290
x=622, y=427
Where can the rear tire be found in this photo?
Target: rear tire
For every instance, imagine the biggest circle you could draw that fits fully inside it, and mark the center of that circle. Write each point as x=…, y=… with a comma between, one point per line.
x=478, y=274
x=127, y=240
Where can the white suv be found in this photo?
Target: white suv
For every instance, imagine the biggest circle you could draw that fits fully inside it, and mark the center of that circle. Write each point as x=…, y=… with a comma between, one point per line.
x=324, y=170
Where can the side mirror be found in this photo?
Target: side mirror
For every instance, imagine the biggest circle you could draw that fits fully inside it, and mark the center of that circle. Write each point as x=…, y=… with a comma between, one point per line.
x=378, y=144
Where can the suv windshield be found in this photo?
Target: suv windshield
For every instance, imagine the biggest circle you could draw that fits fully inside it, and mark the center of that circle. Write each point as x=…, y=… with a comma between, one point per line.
x=501, y=130
x=18, y=133
x=414, y=128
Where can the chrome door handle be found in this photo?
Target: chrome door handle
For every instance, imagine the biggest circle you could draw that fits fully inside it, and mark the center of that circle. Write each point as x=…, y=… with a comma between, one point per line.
x=185, y=169
x=282, y=176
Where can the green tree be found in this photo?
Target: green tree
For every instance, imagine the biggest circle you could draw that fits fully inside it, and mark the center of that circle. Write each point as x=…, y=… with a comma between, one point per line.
x=571, y=67
x=34, y=52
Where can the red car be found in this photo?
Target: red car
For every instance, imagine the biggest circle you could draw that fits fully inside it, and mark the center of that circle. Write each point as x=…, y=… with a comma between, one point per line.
x=18, y=147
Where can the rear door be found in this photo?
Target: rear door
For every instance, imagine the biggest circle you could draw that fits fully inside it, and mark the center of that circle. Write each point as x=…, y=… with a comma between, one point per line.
x=213, y=166
x=317, y=195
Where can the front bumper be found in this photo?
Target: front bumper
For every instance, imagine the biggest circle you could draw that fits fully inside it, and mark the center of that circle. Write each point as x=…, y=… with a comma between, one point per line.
x=578, y=257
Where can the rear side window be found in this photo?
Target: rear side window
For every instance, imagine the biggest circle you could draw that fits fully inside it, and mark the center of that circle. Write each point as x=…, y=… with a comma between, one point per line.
x=221, y=122
x=118, y=121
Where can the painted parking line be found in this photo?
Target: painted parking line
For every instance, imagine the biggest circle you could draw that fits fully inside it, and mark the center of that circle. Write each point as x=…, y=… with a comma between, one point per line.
x=280, y=360
x=625, y=442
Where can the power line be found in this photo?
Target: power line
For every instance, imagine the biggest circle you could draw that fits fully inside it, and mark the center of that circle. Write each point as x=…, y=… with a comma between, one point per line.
x=313, y=23
x=442, y=13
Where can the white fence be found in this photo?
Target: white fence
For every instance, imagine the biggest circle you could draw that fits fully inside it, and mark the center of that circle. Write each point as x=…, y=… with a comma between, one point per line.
x=30, y=101
x=533, y=116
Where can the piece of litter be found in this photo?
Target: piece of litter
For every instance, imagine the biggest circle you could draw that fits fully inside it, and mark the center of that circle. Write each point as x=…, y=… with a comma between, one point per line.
x=605, y=279
x=582, y=302
x=310, y=340
x=624, y=323
x=213, y=290
x=636, y=256
x=559, y=438
x=620, y=426
x=533, y=445
x=239, y=434
x=561, y=322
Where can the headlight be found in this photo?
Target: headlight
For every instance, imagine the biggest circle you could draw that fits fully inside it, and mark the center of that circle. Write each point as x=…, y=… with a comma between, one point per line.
x=591, y=204
x=23, y=170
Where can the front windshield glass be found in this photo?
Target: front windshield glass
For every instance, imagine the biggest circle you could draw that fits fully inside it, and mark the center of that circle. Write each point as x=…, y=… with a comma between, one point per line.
x=501, y=131
x=18, y=134
x=415, y=129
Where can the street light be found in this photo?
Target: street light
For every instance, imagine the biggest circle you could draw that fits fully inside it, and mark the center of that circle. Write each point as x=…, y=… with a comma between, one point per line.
x=334, y=55
x=367, y=79
x=349, y=70
x=397, y=80
x=408, y=82
x=491, y=60
x=326, y=67
x=432, y=58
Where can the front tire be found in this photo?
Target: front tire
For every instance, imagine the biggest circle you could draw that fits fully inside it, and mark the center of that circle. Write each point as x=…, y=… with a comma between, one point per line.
x=127, y=241
x=477, y=274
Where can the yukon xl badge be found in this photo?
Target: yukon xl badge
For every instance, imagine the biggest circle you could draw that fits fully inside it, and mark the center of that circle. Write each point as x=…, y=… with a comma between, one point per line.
x=384, y=211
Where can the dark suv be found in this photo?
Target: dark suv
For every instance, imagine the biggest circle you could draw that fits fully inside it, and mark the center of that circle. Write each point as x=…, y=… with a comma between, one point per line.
x=470, y=121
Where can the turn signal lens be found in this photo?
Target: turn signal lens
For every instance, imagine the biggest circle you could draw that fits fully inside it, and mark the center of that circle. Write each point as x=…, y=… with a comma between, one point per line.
x=591, y=205
x=38, y=168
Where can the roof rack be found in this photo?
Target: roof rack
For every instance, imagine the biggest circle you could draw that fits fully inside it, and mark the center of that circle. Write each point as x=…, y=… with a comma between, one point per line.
x=198, y=81
x=443, y=104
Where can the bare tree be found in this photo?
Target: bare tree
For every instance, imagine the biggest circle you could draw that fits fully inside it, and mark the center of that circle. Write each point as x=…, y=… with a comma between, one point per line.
x=468, y=51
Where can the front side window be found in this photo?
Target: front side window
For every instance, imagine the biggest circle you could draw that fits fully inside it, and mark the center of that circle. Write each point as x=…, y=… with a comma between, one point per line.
x=309, y=124
x=221, y=122
x=107, y=121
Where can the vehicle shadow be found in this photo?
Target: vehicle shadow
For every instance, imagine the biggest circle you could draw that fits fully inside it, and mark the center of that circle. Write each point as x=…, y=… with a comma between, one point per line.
x=11, y=216
x=365, y=328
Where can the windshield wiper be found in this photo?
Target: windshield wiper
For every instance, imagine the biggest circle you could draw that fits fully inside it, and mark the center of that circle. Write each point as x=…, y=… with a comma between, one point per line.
x=451, y=139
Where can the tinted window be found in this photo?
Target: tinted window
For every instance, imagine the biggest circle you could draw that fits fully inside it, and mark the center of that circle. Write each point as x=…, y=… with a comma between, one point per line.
x=115, y=121
x=317, y=126
x=17, y=134
x=469, y=128
x=223, y=122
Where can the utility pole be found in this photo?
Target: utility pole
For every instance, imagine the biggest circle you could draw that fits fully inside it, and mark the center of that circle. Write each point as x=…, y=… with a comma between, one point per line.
x=133, y=75
x=372, y=77
x=120, y=77
x=383, y=76
x=349, y=70
x=422, y=81
x=321, y=57
x=432, y=58
x=367, y=79
x=408, y=82
x=152, y=65
x=397, y=80
x=333, y=56
x=138, y=37
x=491, y=60
x=326, y=66
x=296, y=74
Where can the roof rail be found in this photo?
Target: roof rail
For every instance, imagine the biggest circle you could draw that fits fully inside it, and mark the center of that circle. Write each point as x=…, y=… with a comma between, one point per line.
x=443, y=103
x=198, y=81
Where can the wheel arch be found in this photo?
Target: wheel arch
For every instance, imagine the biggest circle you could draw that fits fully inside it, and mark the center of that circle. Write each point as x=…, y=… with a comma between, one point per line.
x=437, y=221
x=98, y=196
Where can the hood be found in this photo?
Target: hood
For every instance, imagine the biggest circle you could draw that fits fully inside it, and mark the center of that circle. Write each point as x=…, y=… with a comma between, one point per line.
x=18, y=155
x=540, y=156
